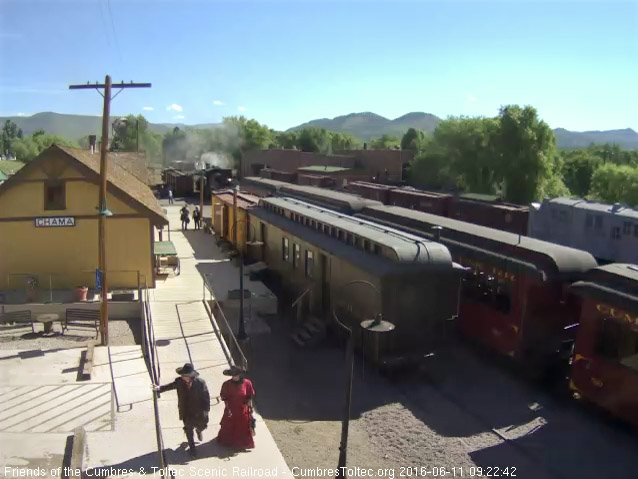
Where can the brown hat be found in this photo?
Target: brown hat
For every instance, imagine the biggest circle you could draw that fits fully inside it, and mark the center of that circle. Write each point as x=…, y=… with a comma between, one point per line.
x=187, y=370
x=234, y=371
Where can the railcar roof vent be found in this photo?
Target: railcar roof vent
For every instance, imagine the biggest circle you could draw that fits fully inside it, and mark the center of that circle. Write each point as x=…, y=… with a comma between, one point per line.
x=616, y=207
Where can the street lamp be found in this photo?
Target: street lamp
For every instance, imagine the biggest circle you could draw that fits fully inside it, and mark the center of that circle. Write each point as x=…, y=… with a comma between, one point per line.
x=241, y=333
x=376, y=325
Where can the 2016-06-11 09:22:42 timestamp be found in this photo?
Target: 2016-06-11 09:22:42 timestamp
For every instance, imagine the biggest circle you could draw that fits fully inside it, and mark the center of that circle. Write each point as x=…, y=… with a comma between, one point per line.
x=473, y=471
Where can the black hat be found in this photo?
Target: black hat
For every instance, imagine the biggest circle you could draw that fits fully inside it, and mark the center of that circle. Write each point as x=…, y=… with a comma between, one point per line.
x=234, y=371
x=187, y=370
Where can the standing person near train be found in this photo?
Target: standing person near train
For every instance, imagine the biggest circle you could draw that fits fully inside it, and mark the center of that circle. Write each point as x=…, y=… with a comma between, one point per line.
x=237, y=424
x=193, y=402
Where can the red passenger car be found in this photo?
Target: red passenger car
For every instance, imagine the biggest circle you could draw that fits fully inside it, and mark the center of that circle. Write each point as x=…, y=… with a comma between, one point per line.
x=514, y=298
x=605, y=363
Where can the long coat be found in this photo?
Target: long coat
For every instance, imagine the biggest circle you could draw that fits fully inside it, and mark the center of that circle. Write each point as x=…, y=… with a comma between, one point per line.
x=192, y=402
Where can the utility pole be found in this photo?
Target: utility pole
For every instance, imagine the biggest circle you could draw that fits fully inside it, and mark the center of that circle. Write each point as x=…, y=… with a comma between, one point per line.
x=103, y=211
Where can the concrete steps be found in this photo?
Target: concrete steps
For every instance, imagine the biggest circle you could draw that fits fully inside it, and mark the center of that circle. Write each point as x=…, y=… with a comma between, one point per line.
x=310, y=333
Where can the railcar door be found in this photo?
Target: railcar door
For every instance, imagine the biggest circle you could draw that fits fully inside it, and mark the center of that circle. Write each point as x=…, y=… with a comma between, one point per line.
x=325, y=286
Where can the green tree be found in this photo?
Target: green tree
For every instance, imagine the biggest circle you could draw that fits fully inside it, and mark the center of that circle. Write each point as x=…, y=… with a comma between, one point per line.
x=577, y=170
x=612, y=183
x=314, y=140
x=27, y=148
x=413, y=140
x=386, y=142
x=525, y=146
x=10, y=132
x=343, y=141
x=285, y=140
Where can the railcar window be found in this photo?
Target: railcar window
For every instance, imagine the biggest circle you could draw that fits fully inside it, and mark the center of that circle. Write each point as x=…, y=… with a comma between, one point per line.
x=310, y=263
x=285, y=250
x=589, y=221
x=483, y=288
x=626, y=228
x=350, y=239
x=296, y=255
x=599, y=222
x=340, y=235
x=618, y=343
x=636, y=230
x=366, y=245
x=377, y=249
x=615, y=232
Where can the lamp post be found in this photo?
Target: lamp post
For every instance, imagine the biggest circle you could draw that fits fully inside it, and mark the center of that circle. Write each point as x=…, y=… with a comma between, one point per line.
x=241, y=333
x=378, y=325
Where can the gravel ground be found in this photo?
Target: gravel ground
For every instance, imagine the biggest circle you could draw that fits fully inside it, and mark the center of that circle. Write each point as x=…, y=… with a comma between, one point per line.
x=475, y=414
x=122, y=332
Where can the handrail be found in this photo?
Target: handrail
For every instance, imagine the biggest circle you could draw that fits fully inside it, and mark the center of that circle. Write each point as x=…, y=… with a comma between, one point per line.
x=150, y=351
x=301, y=297
x=235, y=343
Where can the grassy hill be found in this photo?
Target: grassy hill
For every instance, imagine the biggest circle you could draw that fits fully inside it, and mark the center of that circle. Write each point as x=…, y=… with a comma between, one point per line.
x=74, y=127
x=364, y=126
x=367, y=126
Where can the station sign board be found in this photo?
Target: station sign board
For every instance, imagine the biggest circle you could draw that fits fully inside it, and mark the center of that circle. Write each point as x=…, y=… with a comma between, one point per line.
x=55, y=221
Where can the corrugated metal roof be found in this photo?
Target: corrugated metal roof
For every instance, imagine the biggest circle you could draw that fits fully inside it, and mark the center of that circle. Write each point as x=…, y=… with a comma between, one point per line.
x=407, y=247
x=567, y=260
x=621, y=210
x=323, y=169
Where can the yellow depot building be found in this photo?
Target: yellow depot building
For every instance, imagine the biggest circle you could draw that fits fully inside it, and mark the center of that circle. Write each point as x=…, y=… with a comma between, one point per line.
x=49, y=224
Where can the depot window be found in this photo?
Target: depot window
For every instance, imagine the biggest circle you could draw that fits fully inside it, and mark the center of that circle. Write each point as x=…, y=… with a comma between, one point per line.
x=296, y=255
x=54, y=195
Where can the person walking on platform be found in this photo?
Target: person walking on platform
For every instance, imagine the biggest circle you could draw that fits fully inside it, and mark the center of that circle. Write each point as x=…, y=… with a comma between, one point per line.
x=170, y=195
x=185, y=217
x=197, y=218
x=193, y=402
x=237, y=424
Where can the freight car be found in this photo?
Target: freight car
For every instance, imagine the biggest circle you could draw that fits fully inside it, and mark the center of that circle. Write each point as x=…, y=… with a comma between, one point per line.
x=320, y=250
x=486, y=210
x=605, y=363
x=515, y=301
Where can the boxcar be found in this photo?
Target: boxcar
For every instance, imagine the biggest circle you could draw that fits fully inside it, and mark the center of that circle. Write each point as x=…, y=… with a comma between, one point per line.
x=485, y=210
x=515, y=299
x=605, y=363
x=372, y=191
x=426, y=201
x=312, y=248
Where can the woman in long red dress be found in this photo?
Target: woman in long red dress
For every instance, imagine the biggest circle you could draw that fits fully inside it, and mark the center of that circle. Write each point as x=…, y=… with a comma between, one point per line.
x=236, y=428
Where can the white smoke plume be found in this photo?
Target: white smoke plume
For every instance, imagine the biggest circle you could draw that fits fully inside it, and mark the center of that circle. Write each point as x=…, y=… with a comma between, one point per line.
x=219, y=160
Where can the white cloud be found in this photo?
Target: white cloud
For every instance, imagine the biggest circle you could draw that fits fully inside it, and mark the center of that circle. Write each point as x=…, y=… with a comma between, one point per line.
x=174, y=107
x=178, y=117
x=471, y=97
x=217, y=102
x=23, y=114
x=148, y=108
x=241, y=108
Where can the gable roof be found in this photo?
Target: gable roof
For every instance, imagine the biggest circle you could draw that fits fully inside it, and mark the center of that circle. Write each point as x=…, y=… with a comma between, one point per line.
x=124, y=182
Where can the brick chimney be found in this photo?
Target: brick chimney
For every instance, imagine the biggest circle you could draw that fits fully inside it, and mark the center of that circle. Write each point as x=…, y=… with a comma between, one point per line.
x=92, y=141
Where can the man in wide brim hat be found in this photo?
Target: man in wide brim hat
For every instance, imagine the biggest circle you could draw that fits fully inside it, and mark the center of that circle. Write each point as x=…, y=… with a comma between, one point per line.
x=193, y=402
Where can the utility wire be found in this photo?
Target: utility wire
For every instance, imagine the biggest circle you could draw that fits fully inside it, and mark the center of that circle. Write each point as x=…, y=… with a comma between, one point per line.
x=117, y=45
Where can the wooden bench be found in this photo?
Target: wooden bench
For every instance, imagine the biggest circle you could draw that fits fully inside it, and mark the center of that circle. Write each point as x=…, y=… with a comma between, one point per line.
x=83, y=319
x=14, y=317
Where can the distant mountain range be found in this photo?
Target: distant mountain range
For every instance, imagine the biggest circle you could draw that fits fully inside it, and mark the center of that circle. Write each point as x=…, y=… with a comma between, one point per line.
x=364, y=126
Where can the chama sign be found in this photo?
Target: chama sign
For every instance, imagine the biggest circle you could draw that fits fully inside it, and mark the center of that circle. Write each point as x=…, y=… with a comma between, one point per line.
x=54, y=221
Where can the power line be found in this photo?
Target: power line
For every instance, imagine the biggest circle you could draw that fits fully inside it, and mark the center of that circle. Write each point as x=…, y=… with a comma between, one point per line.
x=117, y=45
x=106, y=31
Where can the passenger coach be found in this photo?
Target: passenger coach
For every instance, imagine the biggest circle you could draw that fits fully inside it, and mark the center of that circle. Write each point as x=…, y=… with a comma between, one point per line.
x=605, y=365
x=318, y=250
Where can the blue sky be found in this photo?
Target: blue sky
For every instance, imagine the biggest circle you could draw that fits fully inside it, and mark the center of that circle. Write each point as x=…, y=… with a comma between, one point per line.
x=284, y=63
